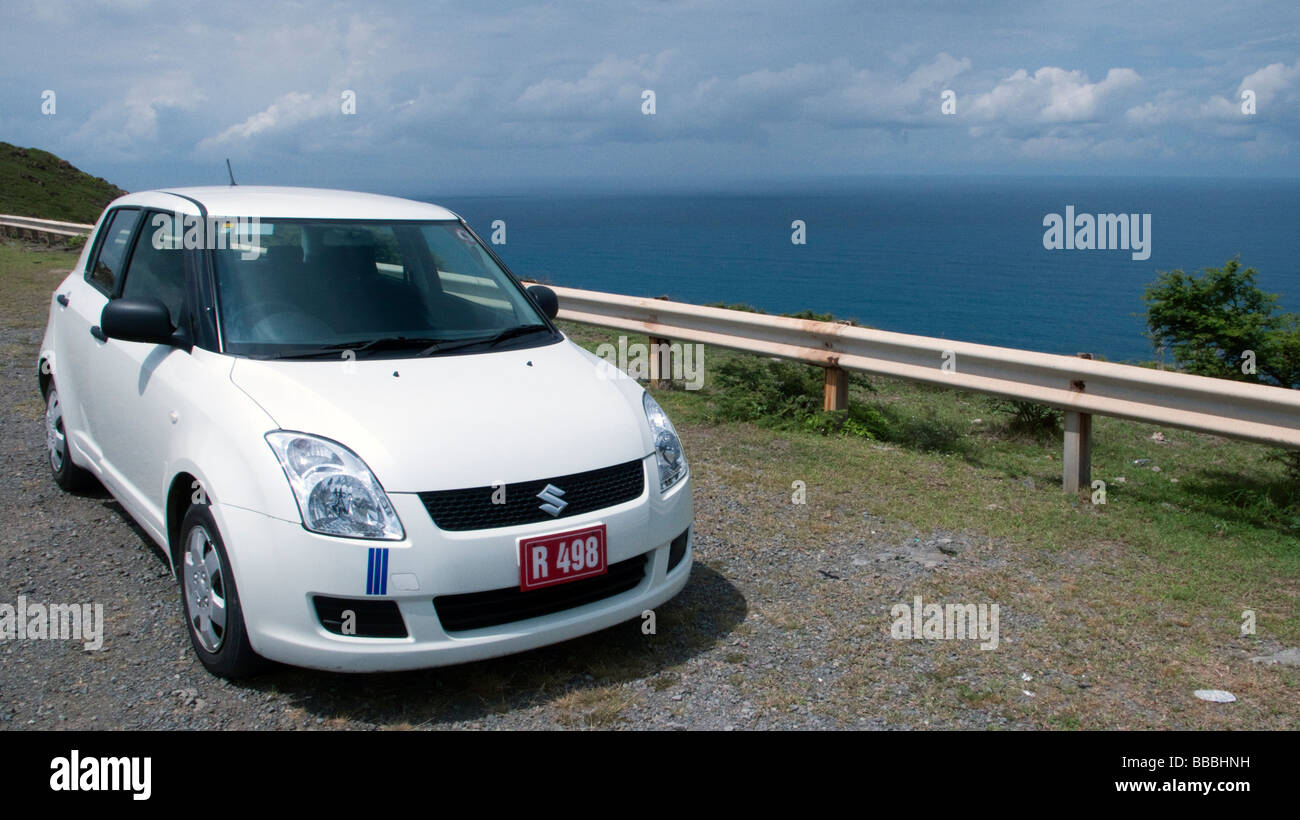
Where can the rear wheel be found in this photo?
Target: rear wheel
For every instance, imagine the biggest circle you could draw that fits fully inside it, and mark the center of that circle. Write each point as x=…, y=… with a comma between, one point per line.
x=210, y=600
x=66, y=474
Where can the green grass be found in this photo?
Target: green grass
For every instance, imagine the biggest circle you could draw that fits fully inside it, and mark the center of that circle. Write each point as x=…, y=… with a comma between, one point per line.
x=37, y=183
x=26, y=281
x=1219, y=522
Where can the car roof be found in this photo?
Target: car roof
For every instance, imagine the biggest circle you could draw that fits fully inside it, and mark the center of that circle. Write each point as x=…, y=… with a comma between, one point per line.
x=284, y=202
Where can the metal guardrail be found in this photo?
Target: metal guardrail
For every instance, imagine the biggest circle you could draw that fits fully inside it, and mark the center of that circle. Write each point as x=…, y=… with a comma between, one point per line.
x=30, y=226
x=1081, y=387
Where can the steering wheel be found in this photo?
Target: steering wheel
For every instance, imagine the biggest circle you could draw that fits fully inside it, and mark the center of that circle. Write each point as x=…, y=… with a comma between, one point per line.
x=272, y=320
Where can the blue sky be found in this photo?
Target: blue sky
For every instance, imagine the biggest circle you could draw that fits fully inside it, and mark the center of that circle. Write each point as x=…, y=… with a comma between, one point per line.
x=460, y=98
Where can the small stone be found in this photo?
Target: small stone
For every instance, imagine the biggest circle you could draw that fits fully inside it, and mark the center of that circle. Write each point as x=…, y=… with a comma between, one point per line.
x=1215, y=695
x=1287, y=657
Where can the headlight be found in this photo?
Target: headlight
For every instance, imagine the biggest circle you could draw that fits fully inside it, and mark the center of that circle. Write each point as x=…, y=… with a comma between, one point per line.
x=336, y=492
x=668, y=448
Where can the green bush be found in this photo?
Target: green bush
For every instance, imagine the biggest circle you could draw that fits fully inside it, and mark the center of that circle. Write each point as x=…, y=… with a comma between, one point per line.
x=789, y=395
x=750, y=388
x=1028, y=418
x=1208, y=322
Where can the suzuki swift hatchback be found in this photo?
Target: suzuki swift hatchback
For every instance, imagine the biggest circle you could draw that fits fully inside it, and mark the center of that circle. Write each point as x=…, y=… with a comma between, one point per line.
x=362, y=444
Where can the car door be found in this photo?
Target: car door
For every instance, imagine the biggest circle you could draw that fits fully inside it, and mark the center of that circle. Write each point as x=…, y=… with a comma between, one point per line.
x=137, y=384
x=77, y=340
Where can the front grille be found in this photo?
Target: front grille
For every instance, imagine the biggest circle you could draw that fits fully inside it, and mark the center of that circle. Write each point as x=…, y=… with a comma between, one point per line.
x=371, y=618
x=477, y=610
x=472, y=508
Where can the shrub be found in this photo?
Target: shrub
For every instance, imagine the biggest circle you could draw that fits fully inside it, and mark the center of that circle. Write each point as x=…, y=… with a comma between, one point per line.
x=1028, y=418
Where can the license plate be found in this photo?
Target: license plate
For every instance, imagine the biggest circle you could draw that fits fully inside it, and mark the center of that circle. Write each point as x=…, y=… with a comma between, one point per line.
x=565, y=556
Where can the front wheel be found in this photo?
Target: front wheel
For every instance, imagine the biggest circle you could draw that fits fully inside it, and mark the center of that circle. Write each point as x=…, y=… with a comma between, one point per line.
x=210, y=601
x=66, y=474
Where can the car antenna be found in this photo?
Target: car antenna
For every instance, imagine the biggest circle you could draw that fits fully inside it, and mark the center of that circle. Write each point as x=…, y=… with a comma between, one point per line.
x=231, y=172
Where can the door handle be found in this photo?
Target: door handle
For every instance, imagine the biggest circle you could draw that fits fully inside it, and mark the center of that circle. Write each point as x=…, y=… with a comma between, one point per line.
x=98, y=334
x=62, y=299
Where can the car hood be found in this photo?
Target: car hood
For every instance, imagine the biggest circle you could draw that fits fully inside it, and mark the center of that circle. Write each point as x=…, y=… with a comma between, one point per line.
x=447, y=422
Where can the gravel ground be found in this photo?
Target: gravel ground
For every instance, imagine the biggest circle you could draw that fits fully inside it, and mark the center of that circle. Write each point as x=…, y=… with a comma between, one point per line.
x=65, y=548
x=784, y=624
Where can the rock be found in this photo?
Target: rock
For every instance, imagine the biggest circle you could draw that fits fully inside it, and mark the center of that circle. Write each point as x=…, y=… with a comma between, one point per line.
x=1215, y=695
x=949, y=546
x=1157, y=436
x=1287, y=657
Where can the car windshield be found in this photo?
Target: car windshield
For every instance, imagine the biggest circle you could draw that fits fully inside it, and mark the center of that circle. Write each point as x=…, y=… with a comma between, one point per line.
x=303, y=288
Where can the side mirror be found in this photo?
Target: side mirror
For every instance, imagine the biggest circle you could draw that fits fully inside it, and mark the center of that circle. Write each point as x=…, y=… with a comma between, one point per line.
x=545, y=299
x=137, y=320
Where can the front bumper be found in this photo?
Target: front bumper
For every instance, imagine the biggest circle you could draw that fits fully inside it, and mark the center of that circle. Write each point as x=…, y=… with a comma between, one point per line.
x=280, y=568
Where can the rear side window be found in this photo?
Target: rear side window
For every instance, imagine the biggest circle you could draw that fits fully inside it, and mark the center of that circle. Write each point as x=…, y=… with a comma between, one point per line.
x=157, y=270
x=107, y=268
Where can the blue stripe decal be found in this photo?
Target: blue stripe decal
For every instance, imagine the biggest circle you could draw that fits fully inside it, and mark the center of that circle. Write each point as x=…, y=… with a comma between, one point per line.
x=377, y=571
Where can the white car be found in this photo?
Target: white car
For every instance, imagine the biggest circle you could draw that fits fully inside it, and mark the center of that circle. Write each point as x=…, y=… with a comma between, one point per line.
x=361, y=442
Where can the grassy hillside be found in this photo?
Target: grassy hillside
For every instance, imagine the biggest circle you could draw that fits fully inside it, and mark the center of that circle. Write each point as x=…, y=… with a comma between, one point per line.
x=37, y=183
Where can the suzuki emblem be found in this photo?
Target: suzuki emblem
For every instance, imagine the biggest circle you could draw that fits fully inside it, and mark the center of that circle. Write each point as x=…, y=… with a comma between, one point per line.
x=551, y=494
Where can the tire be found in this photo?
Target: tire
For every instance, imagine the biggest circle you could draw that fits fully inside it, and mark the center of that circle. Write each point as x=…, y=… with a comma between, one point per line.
x=66, y=474
x=210, y=600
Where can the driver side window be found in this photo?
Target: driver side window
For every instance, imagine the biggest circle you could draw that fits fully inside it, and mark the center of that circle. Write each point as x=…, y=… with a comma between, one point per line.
x=157, y=270
x=116, y=236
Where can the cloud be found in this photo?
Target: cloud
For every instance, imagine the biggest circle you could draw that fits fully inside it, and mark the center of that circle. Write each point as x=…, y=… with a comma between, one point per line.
x=1271, y=82
x=554, y=90
x=122, y=128
x=1277, y=106
x=287, y=113
x=1051, y=95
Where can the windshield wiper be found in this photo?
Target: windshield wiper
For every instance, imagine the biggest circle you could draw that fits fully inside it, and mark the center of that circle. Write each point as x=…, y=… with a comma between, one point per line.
x=341, y=349
x=490, y=341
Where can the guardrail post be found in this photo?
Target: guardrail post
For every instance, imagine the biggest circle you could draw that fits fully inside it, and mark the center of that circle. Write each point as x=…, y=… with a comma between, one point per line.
x=837, y=389
x=1077, y=469
x=1078, y=451
x=661, y=361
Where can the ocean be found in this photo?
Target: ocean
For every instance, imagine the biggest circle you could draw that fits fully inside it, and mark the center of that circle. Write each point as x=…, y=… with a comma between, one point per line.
x=956, y=258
